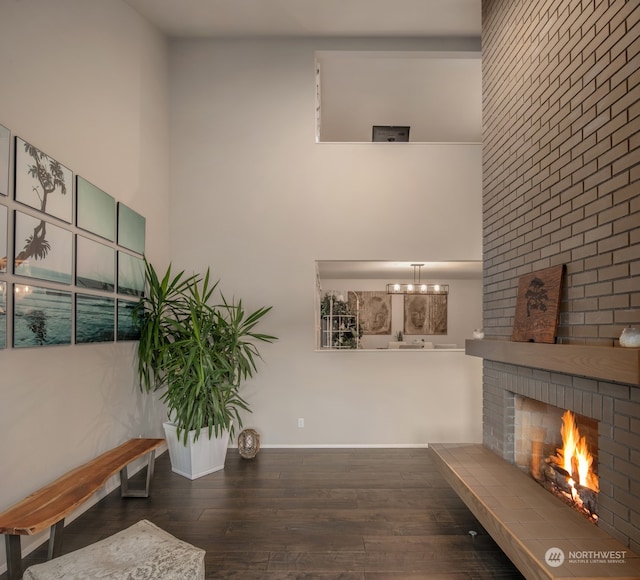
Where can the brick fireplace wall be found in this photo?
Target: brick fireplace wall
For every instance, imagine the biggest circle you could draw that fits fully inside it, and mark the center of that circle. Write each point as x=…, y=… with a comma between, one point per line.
x=561, y=185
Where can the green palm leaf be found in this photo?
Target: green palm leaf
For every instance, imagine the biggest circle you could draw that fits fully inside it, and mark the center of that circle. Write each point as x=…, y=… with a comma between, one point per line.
x=198, y=352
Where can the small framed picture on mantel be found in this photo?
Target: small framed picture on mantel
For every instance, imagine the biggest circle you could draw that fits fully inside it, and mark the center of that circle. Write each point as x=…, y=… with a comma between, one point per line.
x=538, y=306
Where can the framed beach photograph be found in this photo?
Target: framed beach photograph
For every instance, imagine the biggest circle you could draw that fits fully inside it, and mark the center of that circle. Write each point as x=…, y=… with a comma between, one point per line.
x=41, y=316
x=130, y=274
x=43, y=183
x=95, y=210
x=5, y=155
x=4, y=225
x=126, y=329
x=95, y=319
x=95, y=265
x=3, y=314
x=131, y=229
x=425, y=314
x=42, y=250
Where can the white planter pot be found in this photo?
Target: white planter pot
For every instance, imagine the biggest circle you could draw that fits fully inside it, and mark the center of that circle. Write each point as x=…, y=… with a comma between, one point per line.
x=197, y=458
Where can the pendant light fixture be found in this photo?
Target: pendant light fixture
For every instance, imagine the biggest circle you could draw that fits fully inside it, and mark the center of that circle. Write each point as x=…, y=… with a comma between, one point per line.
x=417, y=286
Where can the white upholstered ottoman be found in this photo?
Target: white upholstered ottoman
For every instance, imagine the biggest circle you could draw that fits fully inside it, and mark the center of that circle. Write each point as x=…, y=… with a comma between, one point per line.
x=141, y=552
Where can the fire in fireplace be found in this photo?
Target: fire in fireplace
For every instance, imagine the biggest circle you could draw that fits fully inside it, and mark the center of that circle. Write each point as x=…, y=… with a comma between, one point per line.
x=570, y=472
x=559, y=449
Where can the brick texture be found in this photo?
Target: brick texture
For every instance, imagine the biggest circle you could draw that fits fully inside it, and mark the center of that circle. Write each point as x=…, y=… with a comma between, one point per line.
x=561, y=159
x=561, y=185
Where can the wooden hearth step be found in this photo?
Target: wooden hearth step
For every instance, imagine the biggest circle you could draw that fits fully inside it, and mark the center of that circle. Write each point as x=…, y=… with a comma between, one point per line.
x=542, y=536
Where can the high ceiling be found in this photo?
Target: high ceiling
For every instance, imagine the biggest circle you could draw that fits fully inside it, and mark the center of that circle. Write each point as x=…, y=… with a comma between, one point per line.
x=326, y=18
x=359, y=18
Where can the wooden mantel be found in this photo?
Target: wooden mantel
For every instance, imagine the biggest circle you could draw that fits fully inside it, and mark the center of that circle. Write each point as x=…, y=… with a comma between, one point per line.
x=615, y=364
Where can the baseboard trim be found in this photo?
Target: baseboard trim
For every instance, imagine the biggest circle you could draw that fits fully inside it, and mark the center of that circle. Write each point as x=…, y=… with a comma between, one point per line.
x=345, y=446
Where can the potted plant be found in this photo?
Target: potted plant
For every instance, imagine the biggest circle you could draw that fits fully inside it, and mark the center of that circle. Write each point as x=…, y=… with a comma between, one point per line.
x=200, y=353
x=339, y=324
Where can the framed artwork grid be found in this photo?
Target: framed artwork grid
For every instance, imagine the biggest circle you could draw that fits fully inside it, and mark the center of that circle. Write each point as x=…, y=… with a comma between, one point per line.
x=43, y=250
x=4, y=225
x=3, y=314
x=131, y=229
x=41, y=316
x=5, y=155
x=95, y=319
x=95, y=265
x=42, y=234
x=130, y=274
x=43, y=183
x=126, y=329
x=95, y=210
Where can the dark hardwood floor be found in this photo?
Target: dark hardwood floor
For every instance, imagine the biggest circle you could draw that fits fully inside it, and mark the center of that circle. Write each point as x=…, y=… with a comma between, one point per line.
x=349, y=514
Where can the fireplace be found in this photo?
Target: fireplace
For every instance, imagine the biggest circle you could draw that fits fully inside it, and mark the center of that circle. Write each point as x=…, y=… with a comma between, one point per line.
x=559, y=450
x=614, y=408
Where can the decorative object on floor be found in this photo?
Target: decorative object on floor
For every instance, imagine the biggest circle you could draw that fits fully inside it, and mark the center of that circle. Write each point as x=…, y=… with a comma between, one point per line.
x=630, y=337
x=538, y=306
x=142, y=551
x=200, y=351
x=248, y=443
x=374, y=310
x=201, y=455
x=42, y=182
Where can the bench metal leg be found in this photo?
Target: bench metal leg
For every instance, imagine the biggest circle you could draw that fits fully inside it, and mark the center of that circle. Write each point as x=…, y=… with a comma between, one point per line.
x=55, y=540
x=124, y=479
x=14, y=557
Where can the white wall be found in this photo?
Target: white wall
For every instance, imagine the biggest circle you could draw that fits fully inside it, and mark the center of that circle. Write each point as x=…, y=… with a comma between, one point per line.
x=438, y=95
x=86, y=82
x=254, y=196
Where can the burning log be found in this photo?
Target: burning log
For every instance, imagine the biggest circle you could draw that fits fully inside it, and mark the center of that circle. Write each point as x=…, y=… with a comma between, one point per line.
x=588, y=497
x=569, y=474
x=558, y=476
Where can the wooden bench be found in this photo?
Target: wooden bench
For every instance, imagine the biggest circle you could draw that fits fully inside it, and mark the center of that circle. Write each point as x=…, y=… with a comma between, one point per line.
x=50, y=505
